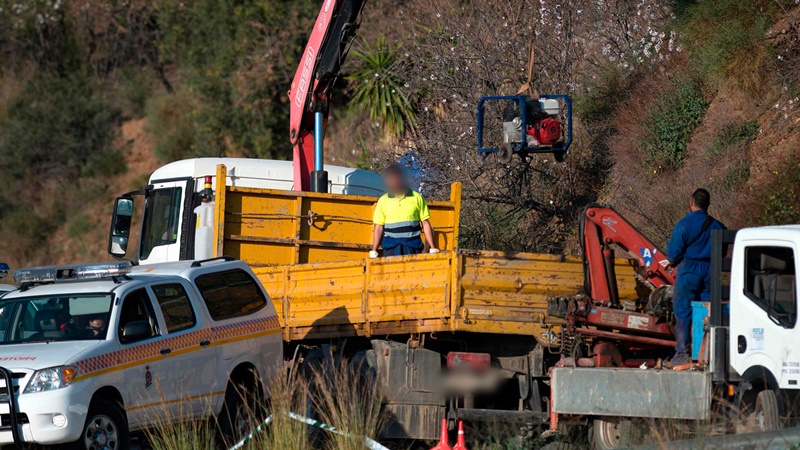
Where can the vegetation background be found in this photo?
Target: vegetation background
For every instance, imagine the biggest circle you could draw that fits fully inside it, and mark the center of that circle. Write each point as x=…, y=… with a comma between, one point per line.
x=670, y=96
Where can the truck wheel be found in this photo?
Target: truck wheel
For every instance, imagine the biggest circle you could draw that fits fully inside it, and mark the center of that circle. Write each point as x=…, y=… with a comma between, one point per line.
x=765, y=415
x=239, y=411
x=611, y=432
x=106, y=427
x=365, y=366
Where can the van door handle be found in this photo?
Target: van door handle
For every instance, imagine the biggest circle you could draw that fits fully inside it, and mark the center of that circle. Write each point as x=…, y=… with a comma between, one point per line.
x=205, y=343
x=166, y=351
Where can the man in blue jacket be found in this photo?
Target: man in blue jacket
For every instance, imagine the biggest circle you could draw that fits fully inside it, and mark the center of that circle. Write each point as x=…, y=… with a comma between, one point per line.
x=689, y=249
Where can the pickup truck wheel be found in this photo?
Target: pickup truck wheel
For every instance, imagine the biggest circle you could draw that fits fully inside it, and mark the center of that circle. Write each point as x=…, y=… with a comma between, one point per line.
x=238, y=416
x=610, y=433
x=106, y=427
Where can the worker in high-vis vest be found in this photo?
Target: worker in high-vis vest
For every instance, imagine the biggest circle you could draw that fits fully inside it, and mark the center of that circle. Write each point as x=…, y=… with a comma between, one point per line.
x=401, y=215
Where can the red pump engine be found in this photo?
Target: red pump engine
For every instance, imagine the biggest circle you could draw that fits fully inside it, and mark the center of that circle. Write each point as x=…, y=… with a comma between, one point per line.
x=546, y=131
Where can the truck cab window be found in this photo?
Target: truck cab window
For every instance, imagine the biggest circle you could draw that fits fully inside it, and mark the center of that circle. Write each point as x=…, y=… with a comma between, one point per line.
x=175, y=306
x=137, y=307
x=161, y=219
x=771, y=282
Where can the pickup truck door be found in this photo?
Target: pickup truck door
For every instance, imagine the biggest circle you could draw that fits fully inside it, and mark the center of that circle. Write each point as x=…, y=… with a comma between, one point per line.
x=763, y=319
x=143, y=366
x=190, y=365
x=166, y=223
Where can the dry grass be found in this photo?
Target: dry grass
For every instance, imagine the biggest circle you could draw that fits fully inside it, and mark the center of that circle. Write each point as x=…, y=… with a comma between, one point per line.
x=342, y=398
x=348, y=400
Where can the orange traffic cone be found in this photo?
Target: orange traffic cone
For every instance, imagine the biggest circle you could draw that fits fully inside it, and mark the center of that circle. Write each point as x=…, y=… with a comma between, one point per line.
x=461, y=443
x=444, y=442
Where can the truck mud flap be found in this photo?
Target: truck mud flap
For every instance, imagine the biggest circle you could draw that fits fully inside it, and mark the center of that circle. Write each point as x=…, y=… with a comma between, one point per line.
x=664, y=394
x=412, y=421
x=409, y=383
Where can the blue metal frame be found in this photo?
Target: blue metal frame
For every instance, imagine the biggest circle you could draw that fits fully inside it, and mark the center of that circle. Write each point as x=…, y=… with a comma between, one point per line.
x=521, y=146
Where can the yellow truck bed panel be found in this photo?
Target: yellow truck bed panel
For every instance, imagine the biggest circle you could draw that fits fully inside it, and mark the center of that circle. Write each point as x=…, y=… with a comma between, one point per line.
x=266, y=227
x=477, y=291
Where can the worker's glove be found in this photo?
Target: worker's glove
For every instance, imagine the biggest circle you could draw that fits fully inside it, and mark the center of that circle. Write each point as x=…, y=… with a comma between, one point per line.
x=433, y=250
x=373, y=254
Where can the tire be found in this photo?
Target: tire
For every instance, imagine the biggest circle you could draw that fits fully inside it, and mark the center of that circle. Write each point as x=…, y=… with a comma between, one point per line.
x=311, y=371
x=106, y=427
x=241, y=410
x=365, y=365
x=765, y=415
x=611, y=433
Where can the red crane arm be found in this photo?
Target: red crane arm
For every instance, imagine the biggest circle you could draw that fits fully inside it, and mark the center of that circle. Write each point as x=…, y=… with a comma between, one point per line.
x=601, y=227
x=316, y=74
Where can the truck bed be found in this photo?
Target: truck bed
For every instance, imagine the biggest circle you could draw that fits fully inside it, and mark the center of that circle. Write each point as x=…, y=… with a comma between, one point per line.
x=464, y=290
x=308, y=249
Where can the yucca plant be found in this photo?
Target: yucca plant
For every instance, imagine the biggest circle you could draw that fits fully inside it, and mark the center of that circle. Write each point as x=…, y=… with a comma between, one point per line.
x=379, y=89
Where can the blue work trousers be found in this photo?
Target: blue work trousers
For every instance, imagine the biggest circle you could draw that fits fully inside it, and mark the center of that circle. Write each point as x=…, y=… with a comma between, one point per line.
x=399, y=247
x=691, y=284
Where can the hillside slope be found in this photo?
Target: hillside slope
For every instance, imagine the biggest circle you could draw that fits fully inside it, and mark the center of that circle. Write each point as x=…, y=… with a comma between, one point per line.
x=669, y=96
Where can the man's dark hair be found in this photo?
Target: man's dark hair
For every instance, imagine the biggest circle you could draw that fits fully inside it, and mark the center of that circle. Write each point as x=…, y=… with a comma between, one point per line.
x=701, y=198
x=394, y=169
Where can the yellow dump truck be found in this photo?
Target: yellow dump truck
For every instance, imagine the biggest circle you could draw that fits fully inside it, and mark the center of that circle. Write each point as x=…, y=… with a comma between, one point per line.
x=460, y=333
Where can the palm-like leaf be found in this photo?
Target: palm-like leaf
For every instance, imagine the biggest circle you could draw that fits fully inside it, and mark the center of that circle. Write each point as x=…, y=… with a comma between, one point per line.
x=379, y=89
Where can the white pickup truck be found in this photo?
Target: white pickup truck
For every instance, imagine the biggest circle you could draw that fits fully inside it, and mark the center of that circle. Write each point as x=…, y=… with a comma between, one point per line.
x=93, y=352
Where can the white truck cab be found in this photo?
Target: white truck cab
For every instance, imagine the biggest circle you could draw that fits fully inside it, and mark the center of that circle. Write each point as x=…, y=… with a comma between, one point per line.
x=178, y=203
x=92, y=352
x=765, y=338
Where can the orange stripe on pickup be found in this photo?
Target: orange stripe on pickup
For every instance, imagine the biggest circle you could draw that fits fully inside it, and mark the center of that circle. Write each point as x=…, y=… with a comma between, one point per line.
x=183, y=343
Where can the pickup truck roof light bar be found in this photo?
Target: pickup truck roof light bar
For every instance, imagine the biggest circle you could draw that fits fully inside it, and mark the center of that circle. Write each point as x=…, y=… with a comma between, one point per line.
x=93, y=271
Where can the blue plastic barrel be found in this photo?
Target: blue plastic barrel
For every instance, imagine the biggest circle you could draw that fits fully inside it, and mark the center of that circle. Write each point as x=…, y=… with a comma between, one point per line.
x=701, y=310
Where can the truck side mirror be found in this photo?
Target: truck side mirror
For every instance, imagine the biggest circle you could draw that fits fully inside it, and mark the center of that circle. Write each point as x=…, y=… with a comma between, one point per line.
x=120, y=227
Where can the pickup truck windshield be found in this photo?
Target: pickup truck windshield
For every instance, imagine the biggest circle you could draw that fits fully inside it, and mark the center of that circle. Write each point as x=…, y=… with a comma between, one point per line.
x=69, y=317
x=161, y=219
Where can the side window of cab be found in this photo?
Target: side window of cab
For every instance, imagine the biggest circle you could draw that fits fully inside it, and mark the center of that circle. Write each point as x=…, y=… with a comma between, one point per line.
x=176, y=308
x=771, y=282
x=137, y=320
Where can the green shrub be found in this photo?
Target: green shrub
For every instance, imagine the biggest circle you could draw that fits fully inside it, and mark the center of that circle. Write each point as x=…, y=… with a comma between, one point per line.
x=135, y=87
x=734, y=134
x=79, y=225
x=59, y=127
x=726, y=38
x=670, y=122
x=781, y=206
x=604, y=95
x=170, y=121
x=236, y=57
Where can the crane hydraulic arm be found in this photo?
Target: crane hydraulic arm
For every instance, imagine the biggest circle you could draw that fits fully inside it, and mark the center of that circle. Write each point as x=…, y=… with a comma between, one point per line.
x=602, y=227
x=310, y=93
x=618, y=329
